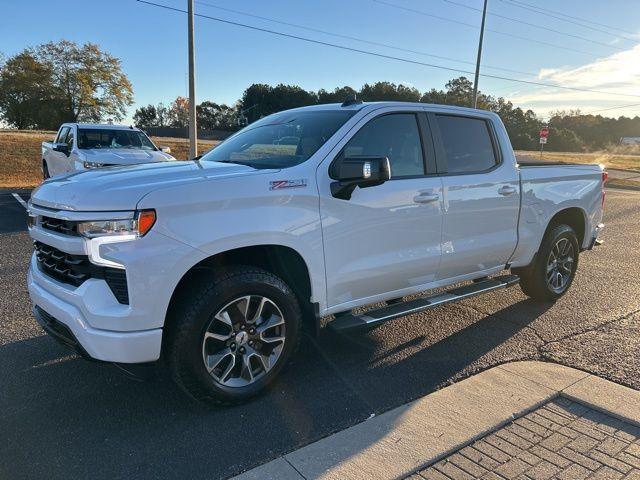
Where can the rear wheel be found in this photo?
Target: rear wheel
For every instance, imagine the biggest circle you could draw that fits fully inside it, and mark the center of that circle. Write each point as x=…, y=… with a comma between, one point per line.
x=229, y=339
x=552, y=272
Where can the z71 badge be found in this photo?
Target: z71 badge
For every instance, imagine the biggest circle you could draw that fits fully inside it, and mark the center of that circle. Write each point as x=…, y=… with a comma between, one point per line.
x=279, y=184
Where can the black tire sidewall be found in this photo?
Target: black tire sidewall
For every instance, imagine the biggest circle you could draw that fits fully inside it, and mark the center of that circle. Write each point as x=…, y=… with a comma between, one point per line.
x=559, y=232
x=189, y=346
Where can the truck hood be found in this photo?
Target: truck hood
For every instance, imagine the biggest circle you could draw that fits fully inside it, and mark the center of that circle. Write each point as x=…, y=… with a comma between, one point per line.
x=124, y=156
x=122, y=187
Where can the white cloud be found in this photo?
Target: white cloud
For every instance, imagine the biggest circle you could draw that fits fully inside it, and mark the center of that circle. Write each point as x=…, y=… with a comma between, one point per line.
x=618, y=73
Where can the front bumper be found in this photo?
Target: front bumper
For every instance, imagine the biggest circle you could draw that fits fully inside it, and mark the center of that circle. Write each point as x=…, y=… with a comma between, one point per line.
x=66, y=322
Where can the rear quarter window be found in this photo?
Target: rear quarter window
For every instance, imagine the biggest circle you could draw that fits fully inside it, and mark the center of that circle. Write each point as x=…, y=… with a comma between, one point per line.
x=467, y=143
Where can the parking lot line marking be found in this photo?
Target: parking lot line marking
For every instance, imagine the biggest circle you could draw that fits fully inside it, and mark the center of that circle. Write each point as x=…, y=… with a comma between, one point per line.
x=19, y=199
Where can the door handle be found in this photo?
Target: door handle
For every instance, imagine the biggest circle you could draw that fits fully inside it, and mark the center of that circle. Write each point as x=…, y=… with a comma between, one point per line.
x=426, y=198
x=507, y=190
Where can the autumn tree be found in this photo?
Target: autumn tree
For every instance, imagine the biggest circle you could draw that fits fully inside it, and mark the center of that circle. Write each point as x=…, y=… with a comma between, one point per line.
x=90, y=82
x=178, y=114
x=28, y=97
x=62, y=81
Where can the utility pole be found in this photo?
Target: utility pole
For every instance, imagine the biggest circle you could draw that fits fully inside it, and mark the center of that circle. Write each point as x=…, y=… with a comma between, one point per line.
x=475, y=83
x=193, y=129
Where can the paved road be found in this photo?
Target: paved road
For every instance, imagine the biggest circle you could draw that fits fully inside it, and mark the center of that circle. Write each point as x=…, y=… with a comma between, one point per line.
x=62, y=417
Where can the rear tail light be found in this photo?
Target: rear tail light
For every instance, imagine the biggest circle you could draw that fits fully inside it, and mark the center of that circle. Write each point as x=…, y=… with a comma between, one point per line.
x=605, y=177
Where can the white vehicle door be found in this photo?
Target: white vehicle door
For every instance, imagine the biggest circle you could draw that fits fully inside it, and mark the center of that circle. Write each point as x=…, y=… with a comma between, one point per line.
x=57, y=161
x=70, y=161
x=384, y=241
x=481, y=196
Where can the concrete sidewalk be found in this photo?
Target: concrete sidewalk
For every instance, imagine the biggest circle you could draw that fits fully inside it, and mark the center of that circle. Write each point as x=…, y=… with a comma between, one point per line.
x=561, y=440
x=425, y=435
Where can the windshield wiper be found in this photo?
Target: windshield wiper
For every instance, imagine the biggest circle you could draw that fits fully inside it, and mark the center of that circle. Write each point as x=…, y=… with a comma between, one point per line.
x=239, y=162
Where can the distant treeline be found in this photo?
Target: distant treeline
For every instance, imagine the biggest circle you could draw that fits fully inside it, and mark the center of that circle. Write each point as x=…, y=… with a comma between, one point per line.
x=569, y=131
x=45, y=85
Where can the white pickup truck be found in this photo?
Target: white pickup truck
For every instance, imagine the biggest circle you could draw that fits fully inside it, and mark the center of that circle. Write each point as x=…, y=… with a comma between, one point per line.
x=81, y=146
x=216, y=265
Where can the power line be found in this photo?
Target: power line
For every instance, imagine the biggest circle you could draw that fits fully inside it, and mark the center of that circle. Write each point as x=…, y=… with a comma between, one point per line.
x=382, y=55
x=357, y=39
x=546, y=10
x=535, y=25
x=557, y=17
x=470, y=25
x=612, y=108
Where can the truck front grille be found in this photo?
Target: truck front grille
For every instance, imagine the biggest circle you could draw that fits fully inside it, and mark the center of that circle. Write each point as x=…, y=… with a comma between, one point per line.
x=66, y=227
x=64, y=267
x=76, y=269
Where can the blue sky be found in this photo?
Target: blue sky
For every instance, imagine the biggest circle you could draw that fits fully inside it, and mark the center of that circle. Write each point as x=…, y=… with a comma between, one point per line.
x=151, y=42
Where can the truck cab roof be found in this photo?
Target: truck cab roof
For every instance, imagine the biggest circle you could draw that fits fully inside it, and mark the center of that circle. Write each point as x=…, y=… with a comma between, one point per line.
x=105, y=126
x=357, y=106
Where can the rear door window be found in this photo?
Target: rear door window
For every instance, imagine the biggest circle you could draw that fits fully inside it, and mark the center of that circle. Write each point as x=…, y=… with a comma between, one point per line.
x=467, y=144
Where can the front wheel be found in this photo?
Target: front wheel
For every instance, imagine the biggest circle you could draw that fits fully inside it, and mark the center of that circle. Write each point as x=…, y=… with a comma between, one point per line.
x=229, y=339
x=552, y=272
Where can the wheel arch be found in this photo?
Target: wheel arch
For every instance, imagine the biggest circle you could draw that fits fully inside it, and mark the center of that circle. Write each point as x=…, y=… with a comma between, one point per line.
x=283, y=261
x=575, y=217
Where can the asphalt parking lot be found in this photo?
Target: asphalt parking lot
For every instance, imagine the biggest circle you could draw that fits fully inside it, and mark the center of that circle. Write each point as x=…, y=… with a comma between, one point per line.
x=63, y=417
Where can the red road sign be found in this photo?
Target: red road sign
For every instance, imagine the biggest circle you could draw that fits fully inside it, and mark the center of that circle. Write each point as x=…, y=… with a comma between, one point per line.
x=544, y=133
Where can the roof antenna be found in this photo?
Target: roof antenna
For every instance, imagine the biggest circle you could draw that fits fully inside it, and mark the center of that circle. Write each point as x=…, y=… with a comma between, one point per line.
x=351, y=100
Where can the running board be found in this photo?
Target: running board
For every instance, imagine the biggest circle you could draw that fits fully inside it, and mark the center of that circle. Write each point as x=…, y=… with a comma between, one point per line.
x=372, y=318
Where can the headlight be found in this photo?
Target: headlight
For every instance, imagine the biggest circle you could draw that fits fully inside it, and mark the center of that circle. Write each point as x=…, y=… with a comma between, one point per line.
x=137, y=226
x=93, y=165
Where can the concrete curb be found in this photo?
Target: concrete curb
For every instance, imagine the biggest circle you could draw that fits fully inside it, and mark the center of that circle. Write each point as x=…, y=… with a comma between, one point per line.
x=408, y=438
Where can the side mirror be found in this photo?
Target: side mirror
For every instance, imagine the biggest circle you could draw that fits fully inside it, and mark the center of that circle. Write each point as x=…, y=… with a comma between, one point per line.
x=61, y=147
x=352, y=172
x=164, y=149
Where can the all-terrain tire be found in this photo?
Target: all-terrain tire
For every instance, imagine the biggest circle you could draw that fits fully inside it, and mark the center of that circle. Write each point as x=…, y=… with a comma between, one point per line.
x=534, y=278
x=191, y=314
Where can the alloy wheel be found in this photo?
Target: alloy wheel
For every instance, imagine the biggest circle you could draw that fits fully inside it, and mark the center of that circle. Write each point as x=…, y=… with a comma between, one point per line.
x=243, y=341
x=560, y=265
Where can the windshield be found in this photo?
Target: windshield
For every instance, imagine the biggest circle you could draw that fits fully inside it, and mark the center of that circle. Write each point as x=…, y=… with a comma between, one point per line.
x=281, y=140
x=116, y=138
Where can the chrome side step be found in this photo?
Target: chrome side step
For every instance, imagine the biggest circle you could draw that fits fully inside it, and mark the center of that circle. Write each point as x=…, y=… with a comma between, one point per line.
x=372, y=318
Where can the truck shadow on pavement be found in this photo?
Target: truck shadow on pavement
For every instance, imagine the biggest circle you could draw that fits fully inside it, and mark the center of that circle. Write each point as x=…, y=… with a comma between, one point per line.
x=415, y=355
x=72, y=415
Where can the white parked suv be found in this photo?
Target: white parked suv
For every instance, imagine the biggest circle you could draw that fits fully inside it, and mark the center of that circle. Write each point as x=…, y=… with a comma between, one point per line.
x=215, y=266
x=81, y=146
